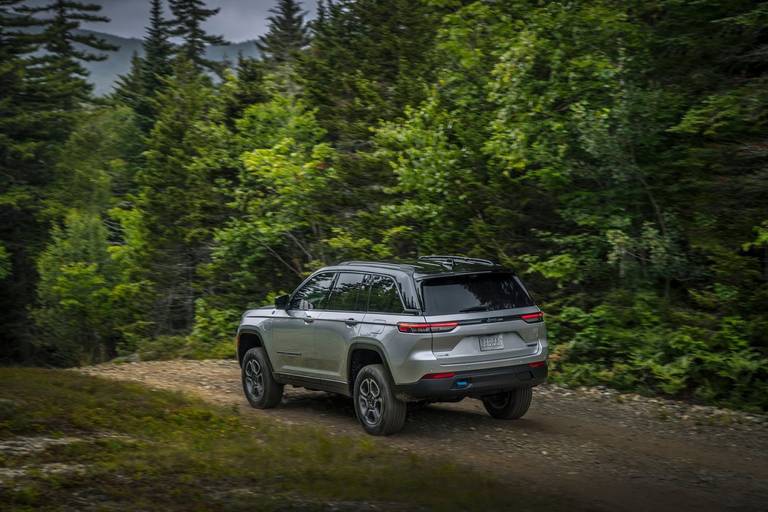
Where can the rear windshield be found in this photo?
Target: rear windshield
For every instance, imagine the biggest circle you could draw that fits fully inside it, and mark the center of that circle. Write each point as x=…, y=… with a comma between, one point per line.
x=473, y=292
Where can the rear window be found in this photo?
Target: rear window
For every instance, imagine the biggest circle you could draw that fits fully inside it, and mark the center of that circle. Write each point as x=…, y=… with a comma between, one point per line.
x=473, y=292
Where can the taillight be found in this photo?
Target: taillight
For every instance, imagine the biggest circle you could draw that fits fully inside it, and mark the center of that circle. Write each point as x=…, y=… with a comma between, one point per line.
x=533, y=317
x=423, y=328
x=432, y=376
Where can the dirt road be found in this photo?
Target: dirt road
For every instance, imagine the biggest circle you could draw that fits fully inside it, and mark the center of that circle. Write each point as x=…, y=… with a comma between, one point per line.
x=595, y=448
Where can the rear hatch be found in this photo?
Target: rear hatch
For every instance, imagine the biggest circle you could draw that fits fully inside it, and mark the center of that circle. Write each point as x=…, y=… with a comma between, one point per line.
x=479, y=317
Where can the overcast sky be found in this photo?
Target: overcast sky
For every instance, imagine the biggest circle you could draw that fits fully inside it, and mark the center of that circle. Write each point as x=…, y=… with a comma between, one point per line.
x=238, y=19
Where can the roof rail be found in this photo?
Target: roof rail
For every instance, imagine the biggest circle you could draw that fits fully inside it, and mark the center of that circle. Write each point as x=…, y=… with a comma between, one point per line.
x=454, y=259
x=381, y=264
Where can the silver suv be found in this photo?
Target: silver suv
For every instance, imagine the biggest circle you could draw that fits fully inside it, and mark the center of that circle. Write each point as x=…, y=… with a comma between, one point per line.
x=438, y=329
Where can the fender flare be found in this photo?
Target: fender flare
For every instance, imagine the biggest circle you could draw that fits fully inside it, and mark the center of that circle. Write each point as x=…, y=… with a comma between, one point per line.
x=255, y=331
x=368, y=345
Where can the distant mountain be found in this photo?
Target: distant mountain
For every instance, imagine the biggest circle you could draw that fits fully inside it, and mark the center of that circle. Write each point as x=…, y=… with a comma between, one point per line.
x=104, y=73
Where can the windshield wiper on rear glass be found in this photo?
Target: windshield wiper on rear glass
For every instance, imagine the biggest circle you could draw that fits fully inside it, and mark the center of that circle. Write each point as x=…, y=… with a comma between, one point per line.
x=473, y=309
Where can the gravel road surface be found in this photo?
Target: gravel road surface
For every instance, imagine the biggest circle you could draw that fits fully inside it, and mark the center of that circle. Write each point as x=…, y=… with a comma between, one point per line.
x=598, y=449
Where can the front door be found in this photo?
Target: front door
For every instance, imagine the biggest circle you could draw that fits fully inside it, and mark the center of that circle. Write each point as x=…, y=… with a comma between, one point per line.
x=293, y=331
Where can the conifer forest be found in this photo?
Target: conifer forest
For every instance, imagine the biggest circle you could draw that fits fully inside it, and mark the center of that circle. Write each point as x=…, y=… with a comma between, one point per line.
x=614, y=153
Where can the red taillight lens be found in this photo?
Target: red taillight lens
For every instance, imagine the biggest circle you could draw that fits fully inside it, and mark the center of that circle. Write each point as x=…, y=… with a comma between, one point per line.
x=537, y=364
x=413, y=328
x=533, y=317
x=432, y=376
x=422, y=328
x=443, y=326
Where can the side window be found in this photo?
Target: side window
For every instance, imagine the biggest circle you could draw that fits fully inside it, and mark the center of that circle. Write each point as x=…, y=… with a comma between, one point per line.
x=348, y=293
x=314, y=294
x=383, y=297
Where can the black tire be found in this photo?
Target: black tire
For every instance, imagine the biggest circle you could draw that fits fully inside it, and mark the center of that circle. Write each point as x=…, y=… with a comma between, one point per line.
x=263, y=392
x=380, y=413
x=509, y=405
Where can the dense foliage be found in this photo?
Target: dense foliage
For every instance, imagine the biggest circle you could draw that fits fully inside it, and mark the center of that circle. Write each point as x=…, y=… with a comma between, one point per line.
x=614, y=153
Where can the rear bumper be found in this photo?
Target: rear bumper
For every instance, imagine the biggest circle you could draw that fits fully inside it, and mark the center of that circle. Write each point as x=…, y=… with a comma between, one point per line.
x=473, y=383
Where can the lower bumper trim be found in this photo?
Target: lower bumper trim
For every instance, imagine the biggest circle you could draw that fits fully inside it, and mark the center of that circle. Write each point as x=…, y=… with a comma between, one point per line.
x=473, y=383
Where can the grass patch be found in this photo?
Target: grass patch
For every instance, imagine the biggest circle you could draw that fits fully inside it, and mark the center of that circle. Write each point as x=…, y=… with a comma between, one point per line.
x=137, y=448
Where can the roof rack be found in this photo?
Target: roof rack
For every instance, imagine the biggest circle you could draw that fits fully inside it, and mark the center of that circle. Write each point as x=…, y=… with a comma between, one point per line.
x=450, y=259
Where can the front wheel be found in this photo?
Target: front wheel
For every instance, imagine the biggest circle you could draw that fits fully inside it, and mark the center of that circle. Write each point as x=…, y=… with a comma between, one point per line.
x=260, y=387
x=509, y=405
x=379, y=411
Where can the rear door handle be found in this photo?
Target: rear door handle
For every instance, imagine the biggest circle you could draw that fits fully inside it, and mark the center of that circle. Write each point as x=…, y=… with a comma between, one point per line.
x=351, y=322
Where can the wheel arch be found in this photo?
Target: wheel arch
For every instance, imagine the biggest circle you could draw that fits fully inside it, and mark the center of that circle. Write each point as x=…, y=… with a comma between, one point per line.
x=246, y=340
x=361, y=353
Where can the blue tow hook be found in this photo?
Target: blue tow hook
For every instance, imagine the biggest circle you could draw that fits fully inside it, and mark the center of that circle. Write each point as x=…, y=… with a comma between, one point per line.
x=462, y=383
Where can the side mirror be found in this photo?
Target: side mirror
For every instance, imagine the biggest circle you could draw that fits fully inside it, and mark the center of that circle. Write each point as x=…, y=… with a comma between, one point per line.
x=281, y=302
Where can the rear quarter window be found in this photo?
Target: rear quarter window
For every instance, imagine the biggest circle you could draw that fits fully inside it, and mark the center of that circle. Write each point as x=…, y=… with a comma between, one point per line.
x=384, y=297
x=473, y=292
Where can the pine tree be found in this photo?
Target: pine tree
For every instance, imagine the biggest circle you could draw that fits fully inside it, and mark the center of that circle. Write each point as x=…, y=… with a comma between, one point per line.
x=158, y=49
x=175, y=200
x=288, y=33
x=22, y=172
x=15, y=46
x=248, y=87
x=139, y=88
x=129, y=88
x=13, y=41
x=60, y=68
x=189, y=16
x=320, y=18
x=368, y=59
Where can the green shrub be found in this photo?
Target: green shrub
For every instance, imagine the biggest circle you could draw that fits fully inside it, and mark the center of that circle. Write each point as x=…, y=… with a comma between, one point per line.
x=183, y=347
x=637, y=342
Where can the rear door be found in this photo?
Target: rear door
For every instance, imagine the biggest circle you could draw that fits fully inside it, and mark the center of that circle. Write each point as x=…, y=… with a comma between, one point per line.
x=495, y=318
x=293, y=330
x=338, y=325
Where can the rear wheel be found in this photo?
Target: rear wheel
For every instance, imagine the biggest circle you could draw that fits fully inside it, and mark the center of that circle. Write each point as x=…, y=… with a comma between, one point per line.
x=379, y=411
x=509, y=405
x=260, y=387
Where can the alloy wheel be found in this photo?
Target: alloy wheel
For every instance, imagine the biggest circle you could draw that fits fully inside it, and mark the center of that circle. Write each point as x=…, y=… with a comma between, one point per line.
x=370, y=402
x=254, y=379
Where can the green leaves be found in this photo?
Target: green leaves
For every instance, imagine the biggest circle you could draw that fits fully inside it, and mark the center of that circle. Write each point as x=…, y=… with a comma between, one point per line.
x=614, y=153
x=74, y=318
x=5, y=263
x=627, y=344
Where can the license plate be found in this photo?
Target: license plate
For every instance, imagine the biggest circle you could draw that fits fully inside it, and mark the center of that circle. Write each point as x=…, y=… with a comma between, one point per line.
x=491, y=342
